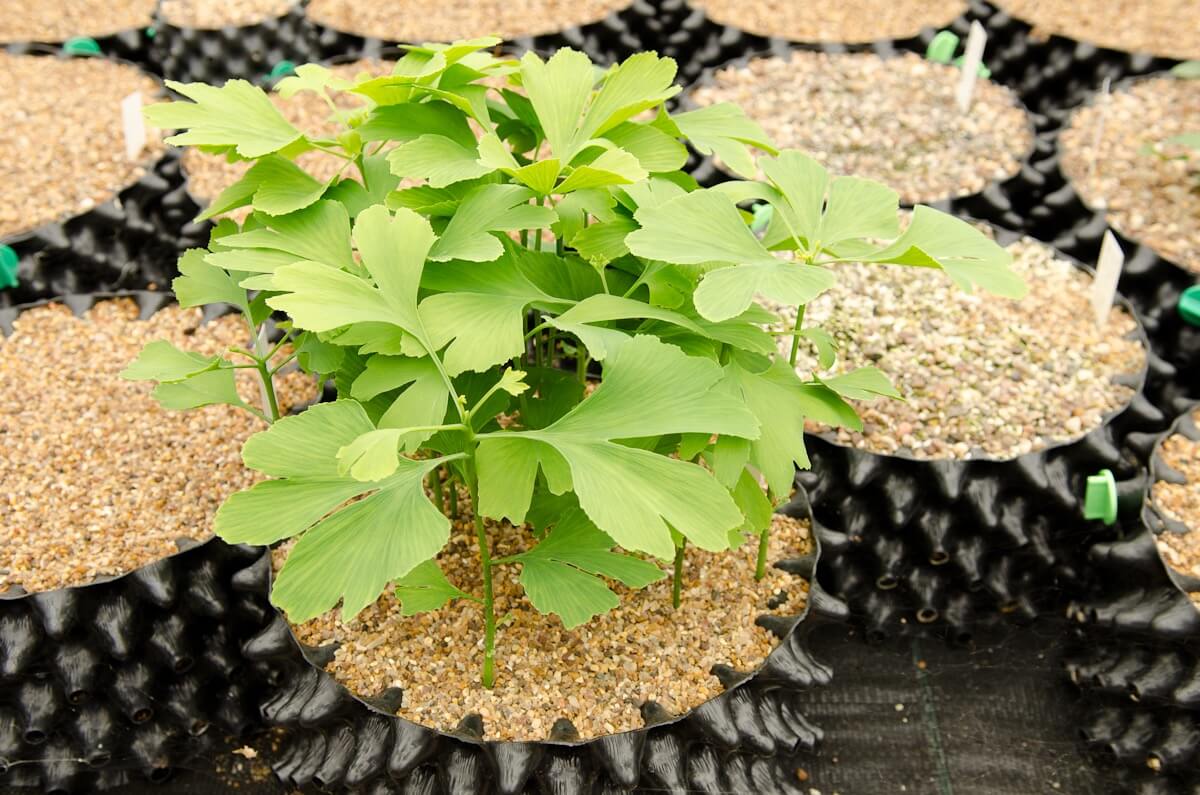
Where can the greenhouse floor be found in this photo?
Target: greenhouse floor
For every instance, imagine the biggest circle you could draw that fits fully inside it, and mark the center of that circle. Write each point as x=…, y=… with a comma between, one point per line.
x=908, y=716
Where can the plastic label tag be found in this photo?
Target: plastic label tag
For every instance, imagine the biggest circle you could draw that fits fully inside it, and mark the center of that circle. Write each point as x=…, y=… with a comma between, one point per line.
x=976, y=41
x=1108, y=273
x=134, y=124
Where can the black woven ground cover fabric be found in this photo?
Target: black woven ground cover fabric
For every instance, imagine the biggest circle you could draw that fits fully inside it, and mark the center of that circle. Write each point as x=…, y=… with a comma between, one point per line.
x=250, y=52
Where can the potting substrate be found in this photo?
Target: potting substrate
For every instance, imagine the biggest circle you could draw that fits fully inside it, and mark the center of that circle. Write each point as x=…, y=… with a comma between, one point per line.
x=992, y=587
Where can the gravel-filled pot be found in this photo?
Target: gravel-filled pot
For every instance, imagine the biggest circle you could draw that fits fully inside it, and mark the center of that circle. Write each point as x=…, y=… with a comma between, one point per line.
x=121, y=619
x=1136, y=653
x=1142, y=189
x=211, y=42
x=889, y=117
x=1056, y=53
x=607, y=30
x=81, y=217
x=746, y=738
x=961, y=505
x=118, y=28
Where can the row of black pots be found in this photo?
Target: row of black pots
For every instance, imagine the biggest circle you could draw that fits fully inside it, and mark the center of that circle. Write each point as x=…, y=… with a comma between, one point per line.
x=133, y=676
x=1135, y=653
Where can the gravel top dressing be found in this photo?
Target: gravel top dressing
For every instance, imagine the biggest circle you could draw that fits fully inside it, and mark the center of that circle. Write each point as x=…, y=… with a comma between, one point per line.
x=209, y=14
x=1181, y=501
x=597, y=675
x=1151, y=198
x=63, y=147
x=892, y=120
x=208, y=174
x=813, y=20
x=58, y=20
x=98, y=479
x=1160, y=27
x=448, y=20
x=981, y=376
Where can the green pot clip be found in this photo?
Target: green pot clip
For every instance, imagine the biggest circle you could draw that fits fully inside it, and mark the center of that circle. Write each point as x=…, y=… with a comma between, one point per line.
x=82, y=45
x=942, y=49
x=1189, y=305
x=9, y=261
x=282, y=69
x=1100, y=499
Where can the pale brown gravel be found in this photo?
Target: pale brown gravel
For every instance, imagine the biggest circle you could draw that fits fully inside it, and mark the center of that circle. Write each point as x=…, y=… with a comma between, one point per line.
x=210, y=14
x=62, y=149
x=208, y=174
x=1151, y=198
x=980, y=375
x=823, y=21
x=1181, y=501
x=597, y=675
x=449, y=20
x=1160, y=27
x=98, y=478
x=58, y=20
x=891, y=120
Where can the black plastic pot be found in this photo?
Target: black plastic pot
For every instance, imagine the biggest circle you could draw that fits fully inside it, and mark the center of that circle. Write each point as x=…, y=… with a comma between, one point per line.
x=127, y=45
x=744, y=740
x=131, y=241
x=1136, y=652
x=126, y=678
x=1055, y=74
x=942, y=545
x=1003, y=202
x=250, y=52
x=1151, y=283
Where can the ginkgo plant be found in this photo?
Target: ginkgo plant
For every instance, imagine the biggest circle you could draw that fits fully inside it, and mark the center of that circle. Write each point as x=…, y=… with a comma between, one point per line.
x=501, y=231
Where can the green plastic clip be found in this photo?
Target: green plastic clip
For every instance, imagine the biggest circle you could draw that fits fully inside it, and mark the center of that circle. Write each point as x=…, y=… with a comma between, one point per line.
x=1100, y=499
x=762, y=217
x=941, y=49
x=151, y=32
x=9, y=261
x=982, y=71
x=82, y=45
x=282, y=69
x=1189, y=305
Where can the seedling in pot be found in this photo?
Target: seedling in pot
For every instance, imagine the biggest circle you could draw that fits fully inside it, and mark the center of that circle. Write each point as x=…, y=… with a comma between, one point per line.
x=410, y=280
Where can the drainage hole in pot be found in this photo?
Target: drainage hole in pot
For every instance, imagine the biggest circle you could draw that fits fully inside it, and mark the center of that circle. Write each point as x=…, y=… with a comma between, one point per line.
x=927, y=615
x=77, y=697
x=183, y=664
x=159, y=774
x=99, y=759
x=35, y=736
x=963, y=638
x=198, y=727
x=142, y=715
x=886, y=583
x=939, y=557
x=1009, y=606
x=876, y=636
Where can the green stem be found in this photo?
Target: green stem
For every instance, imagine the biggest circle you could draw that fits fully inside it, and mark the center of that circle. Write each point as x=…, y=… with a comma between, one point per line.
x=435, y=479
x=760, y=569
x=796, y=337
x=581, y=362
x=268, y=385
x=452, y=484
x=677, y=577
x=488, y=674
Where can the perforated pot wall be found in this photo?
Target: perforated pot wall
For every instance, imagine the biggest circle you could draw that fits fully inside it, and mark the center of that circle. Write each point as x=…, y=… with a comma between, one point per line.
x=745, y=740
x=126, y=678
x=941, y=545
x=250, y=52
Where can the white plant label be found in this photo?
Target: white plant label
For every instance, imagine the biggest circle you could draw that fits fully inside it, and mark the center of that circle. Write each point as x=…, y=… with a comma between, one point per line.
x=1108, y=273
x=134, y=124
x=972, y=58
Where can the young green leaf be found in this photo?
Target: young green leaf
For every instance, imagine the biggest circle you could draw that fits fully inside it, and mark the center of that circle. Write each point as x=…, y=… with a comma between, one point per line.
x=425, y=589
x=437, y=159
x=206, y=388
x=562, y=574
x=864, y=383
x=162, y=361
x=484, y=211
x=722, y=130
x=201, y=283
x=238, y=114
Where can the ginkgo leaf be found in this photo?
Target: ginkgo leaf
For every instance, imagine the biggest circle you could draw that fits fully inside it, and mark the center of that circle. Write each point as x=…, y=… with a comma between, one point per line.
x=424, y=399
x=409, y=121
x=238, y=114
x=722, y=130
x=282, y=187
x=612, y=167
x=484, y=211
x=562, y=574
x=649, y=389
x=425, y=589
x=347, y=551
x=206, y=388
x=319, y=233
x=653, y=148
x=438, y=159
x=201, y=283
x=161, y=361
x=863, y=383
x=727, y=292
x=604, y=242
